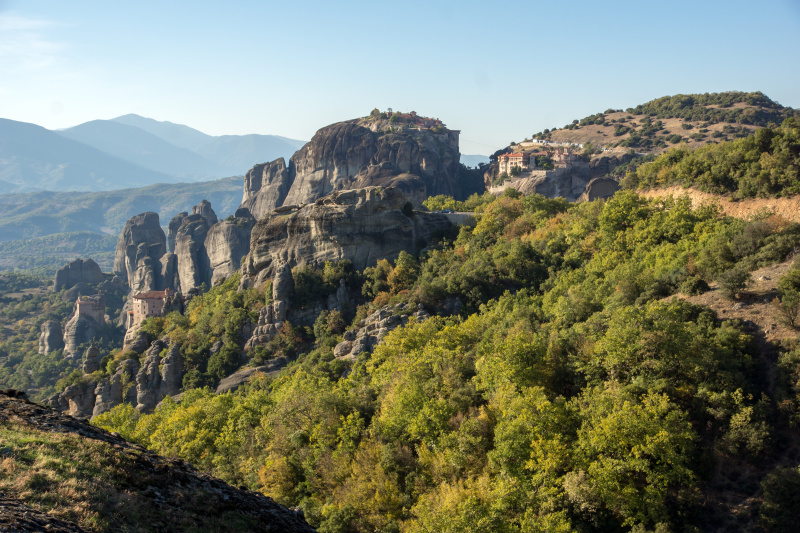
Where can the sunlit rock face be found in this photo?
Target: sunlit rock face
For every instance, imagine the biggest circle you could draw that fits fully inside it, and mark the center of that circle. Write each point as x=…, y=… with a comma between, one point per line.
x=363, y=225
x=359, y=153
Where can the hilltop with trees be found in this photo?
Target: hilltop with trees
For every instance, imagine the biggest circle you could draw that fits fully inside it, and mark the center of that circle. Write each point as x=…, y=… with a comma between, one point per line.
x=692, y=119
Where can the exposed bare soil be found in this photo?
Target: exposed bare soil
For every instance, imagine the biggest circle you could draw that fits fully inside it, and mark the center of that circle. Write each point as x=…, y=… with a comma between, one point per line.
x=755, y=306
x=604, y=135
x=786, y=208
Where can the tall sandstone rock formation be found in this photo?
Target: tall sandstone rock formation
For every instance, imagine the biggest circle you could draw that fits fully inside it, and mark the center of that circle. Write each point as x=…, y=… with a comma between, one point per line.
x=227, y=242
x=358, y=153
x=362, y=225
x=194, y=268
x=140, y=247
x=51, y=337
x=77, y=271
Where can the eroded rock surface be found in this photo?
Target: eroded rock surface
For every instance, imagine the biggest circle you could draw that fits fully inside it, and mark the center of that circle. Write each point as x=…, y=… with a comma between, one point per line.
x=204, y=210
x=363, y=225
x=77, y=271
x=91, y=360
x=194, y=267
x=78, y=330
x=374, y=328
x=227, y=242
x=142, y=237
x=354, y=154
x=173, y=227
x=51, y=337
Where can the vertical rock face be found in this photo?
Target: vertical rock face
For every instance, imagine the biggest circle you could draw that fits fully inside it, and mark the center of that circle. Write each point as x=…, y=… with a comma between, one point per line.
x=80, y=398
x=194, y=267
x=362, y=225
x=120, y=388
x=354, y=154
x=599, y=188
x=171, y=373
x=272, y=316
x=169, y=272
x=227, y=243
x=266, y=187
x=148, y=379
x=172, y=229
x=158, y=378
x=142, y=237
x=91, y=360
x=51, y=337
x=79, y=330
x=77, y=271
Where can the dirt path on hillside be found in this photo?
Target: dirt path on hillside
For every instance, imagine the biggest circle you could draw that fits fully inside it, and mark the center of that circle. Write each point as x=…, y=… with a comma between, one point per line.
x=787, y=208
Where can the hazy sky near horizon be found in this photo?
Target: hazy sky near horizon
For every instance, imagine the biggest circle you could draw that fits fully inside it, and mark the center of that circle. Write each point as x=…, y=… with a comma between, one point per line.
x=497, y=72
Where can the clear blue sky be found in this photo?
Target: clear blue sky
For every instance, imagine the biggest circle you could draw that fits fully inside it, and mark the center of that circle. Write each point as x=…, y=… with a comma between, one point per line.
x=498, y=71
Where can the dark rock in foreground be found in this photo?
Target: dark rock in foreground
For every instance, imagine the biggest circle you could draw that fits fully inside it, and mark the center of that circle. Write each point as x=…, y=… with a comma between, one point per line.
x=133, y=489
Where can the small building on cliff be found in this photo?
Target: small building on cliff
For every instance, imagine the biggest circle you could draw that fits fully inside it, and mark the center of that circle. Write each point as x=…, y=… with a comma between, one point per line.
x=521, y=160
x=153, y=303
x=93, y=307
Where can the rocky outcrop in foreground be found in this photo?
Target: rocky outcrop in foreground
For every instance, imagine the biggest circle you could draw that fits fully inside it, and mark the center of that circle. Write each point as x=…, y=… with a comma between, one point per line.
x=354, y=154
x=363, y=226
x=129, y=488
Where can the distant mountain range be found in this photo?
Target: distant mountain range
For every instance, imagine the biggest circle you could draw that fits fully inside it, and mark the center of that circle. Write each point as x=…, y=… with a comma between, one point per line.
x=128, y=151
x=41, y=213
x=474, y=160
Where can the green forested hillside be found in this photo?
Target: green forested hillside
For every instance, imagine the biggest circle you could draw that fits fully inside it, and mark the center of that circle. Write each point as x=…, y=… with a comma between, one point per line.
x=45, y=255
x=569, y=394
x=690, y=119
x=26, y=302
x=733, y=106
x=764, y=164
x=37, y=214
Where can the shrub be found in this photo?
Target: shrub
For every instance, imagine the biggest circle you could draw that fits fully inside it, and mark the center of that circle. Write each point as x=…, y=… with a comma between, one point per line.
x=734, y=281
x=694, y=285
x=781, y=505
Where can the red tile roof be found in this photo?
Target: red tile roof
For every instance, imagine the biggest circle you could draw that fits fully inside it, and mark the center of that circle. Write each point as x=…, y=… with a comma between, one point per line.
x=152, y=295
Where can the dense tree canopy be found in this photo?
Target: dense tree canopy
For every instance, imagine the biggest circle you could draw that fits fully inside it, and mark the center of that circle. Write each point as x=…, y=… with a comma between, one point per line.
x=567, y=393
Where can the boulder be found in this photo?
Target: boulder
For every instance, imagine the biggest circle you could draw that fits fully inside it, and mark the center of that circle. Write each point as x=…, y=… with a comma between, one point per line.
x=371, y=331
x=80, y=398
x=139, y=343
x=204, y=210
x=240, y=377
